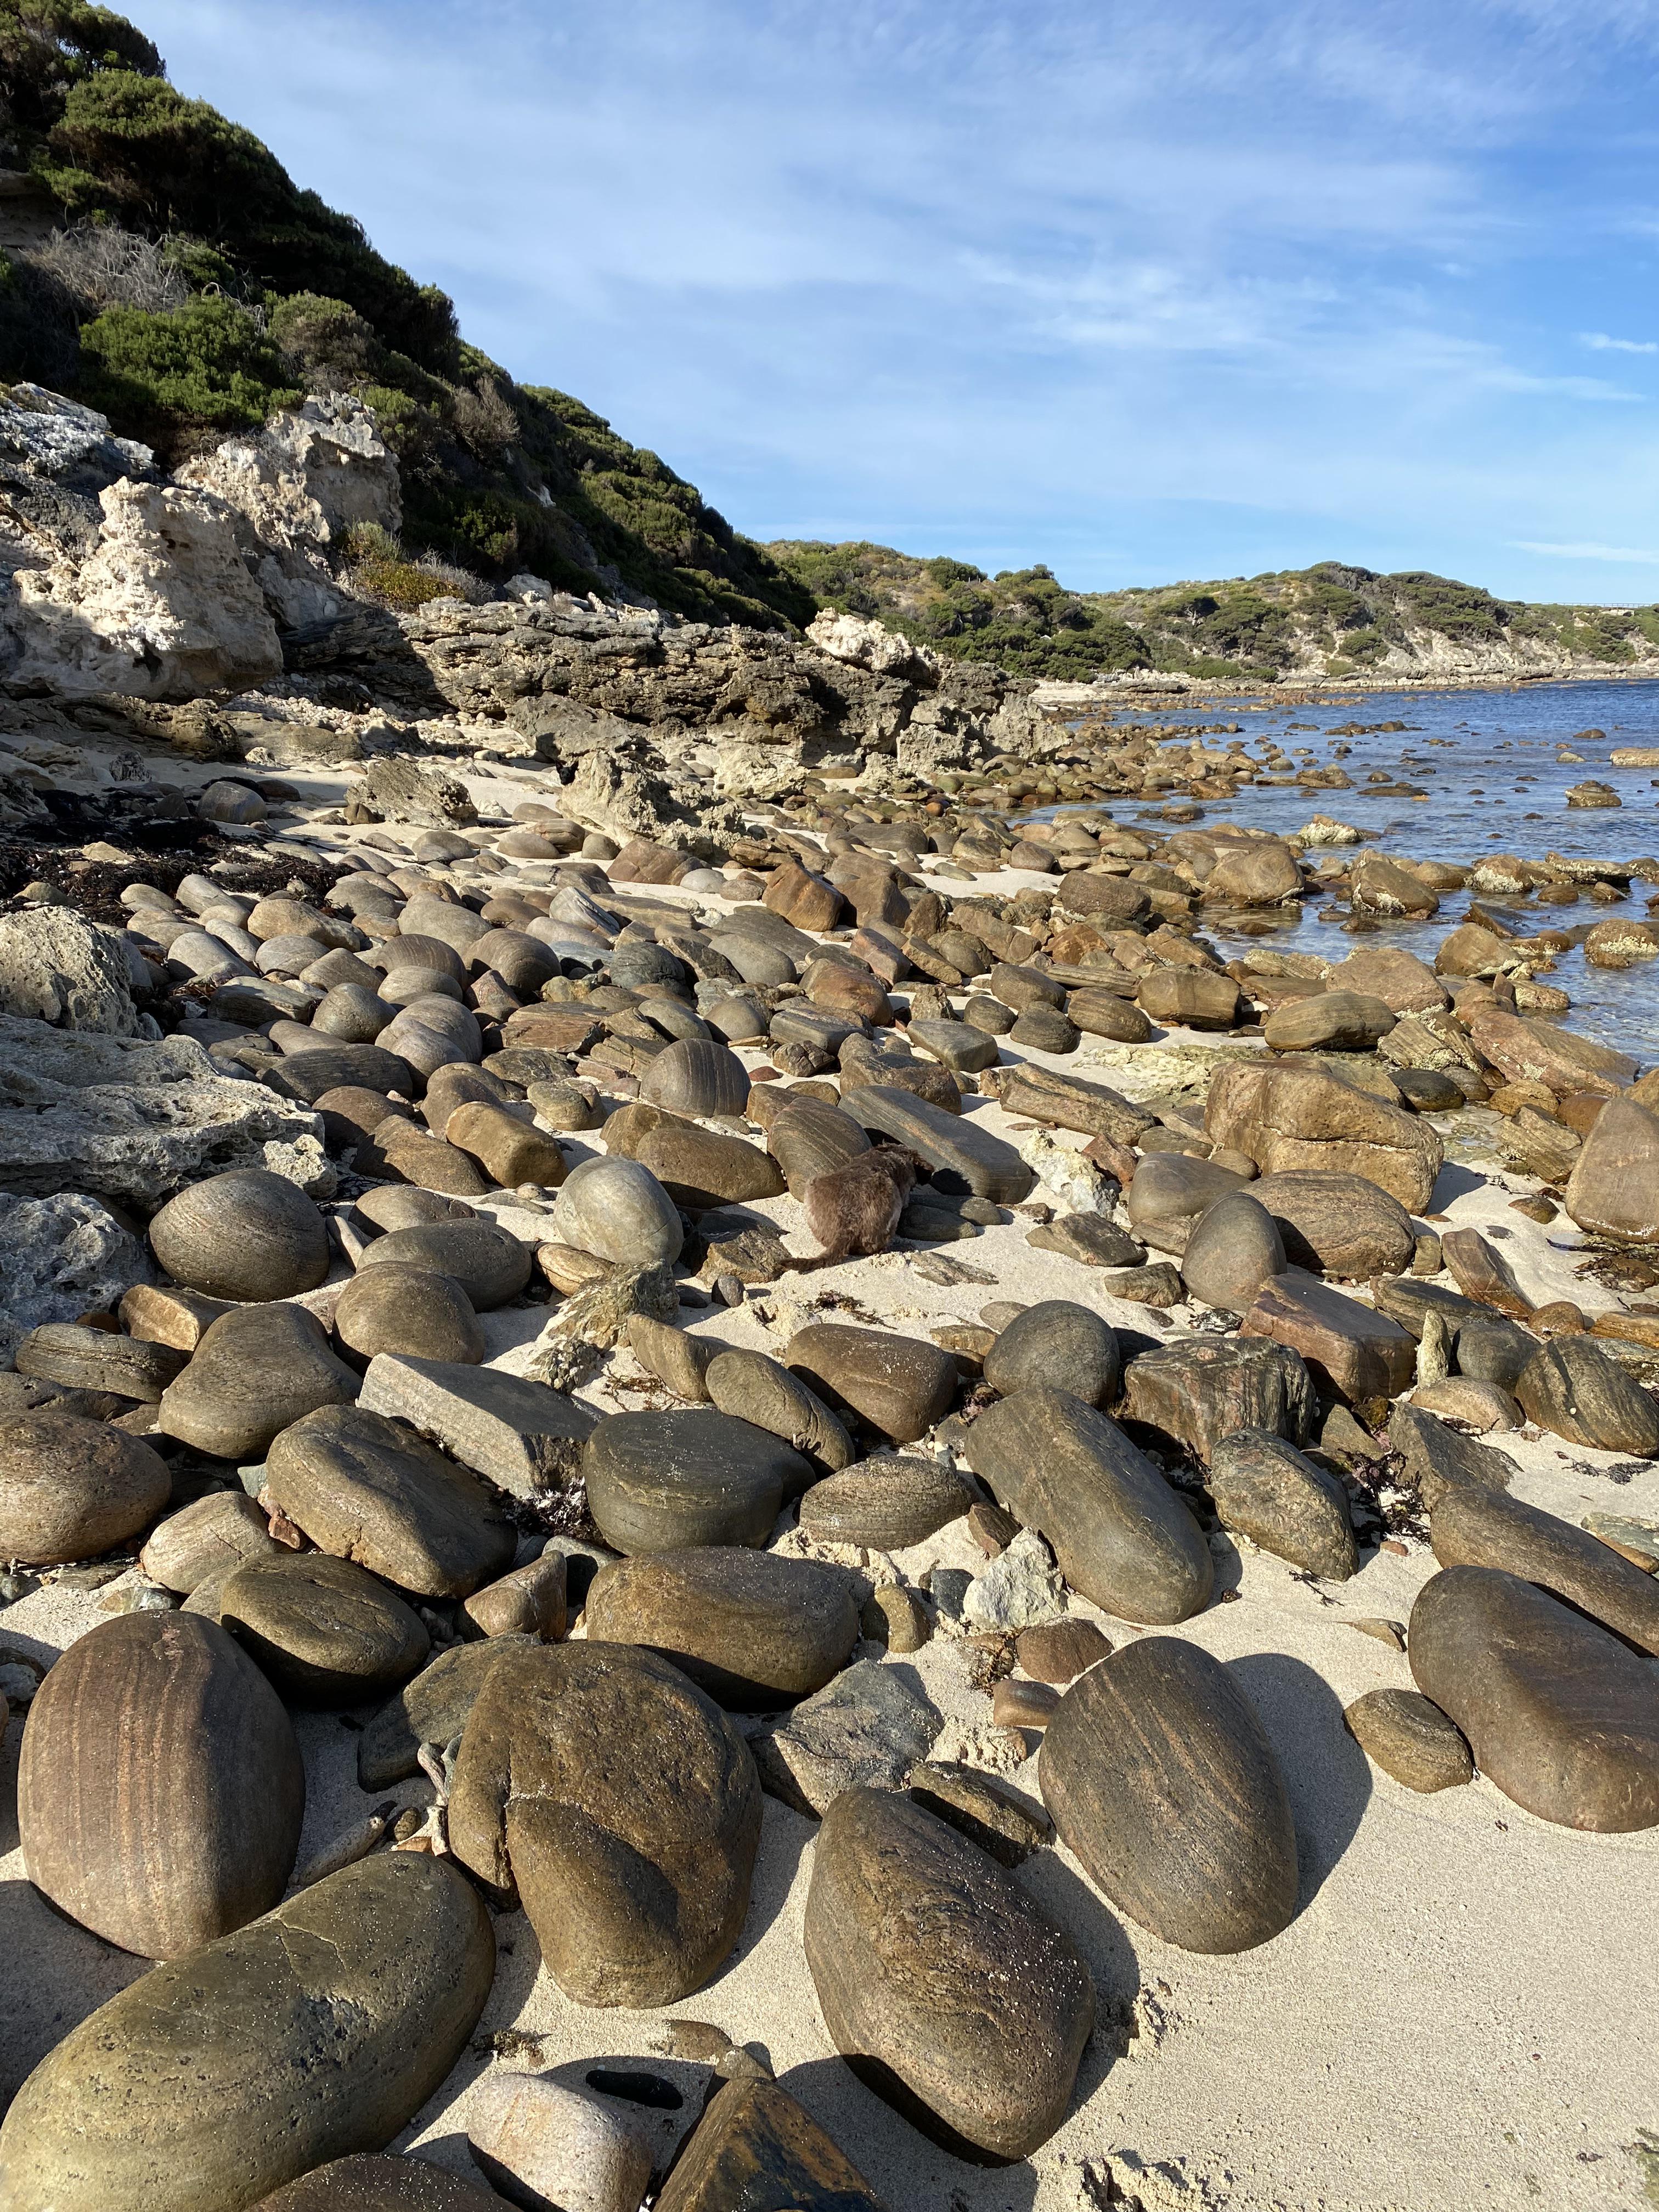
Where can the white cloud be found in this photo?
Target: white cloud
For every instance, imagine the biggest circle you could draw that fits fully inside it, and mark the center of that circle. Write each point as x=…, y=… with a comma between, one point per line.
x=1581, y=552
x=1599, y=342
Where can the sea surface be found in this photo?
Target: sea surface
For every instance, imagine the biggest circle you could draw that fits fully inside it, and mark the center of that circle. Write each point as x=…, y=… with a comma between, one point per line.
x=1488, y=762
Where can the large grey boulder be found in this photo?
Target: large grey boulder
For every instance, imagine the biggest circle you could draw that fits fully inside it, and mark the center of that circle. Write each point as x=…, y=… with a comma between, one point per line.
x=55, y=966
x=65, y=1256
x=134, y=1121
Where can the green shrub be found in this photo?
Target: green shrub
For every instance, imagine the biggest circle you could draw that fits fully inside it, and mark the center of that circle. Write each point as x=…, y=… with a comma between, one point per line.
x=49, y=46
x=325, y=341
x=182, y=378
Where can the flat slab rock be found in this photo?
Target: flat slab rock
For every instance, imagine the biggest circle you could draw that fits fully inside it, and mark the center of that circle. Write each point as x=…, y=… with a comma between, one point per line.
x=1161, y=1781
x=1559, y=1714
x=950, y=1991
x=1121, y=1535
x=525, y=1437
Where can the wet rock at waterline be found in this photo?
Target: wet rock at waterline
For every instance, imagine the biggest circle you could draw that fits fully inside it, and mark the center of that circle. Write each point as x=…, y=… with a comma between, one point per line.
x=318, y=2030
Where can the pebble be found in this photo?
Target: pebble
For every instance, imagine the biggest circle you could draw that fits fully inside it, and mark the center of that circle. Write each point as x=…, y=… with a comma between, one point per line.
x=1411, y=1739
x=619, y=1802
x=544, y=2144
x=159, y=1788
x=1060, y=1650
x=247, y=1235
x=950, y=1992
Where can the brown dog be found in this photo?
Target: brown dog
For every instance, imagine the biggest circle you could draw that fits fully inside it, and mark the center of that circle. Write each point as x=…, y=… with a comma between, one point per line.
x=854, y=1209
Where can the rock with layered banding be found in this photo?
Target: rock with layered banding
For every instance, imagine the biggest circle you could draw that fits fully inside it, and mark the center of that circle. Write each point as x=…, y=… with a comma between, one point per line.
x=318, y=2032
x=490, y=1263
x=754, y=1630
x=617, y=1209
x=760, y=1390
x=1409, y=1737
x=70, y=1488
x=1559, y=1714
x=948, y=1990
x=1269, y=1491
x=159, y=1788
x=622, y=1806
x=1162, y=1783
x=247, y=1235
x=900, y=1385
x=1121, y=1535
x=887, y=1503
x=1481, y=1528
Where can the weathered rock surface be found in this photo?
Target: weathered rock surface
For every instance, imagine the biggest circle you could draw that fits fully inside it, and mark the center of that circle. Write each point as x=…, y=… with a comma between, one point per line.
x=408, y=1310
x=371, y=2182
x=1478, y=1527
x=1438, y=1458
x=1233, y=1251
x=319, y=2031
x=548, y=2145
x=948, y=1990
x=622, y=1806
x=1291, y=1115
x=866, y=1729
x=1121, y=1535
x=1161, y=1780
x=525, y=1437
x=1558, y=1713
x=1343, y=1225
x=361, y=1487
x=210, y=1535
x=128, y=1120
x=754, y=1630
x=1198, y=1389
x=432, y=1707
x=1349, y=1347
x=55, y=966
x=65, y=1255
x=70, y=1488
x=159, y=1789
x=617, y=1209
x=1570, y=1388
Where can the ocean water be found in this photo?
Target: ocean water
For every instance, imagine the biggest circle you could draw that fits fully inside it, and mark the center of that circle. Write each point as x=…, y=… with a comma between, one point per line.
x=1487, y=763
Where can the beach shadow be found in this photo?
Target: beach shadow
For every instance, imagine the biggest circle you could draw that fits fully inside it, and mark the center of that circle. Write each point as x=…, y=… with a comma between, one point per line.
x=905, y=2163
x=785, y=1835
x=1454, y=1181
x=1327, y=1776
x=70, y=1973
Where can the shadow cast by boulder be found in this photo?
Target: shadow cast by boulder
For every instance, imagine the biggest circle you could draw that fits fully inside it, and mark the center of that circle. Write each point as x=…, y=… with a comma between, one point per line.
x=1327, y=1776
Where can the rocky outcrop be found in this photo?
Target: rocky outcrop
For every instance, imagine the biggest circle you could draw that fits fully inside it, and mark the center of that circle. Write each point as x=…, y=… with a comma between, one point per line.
x=294, y=488
x=56, y=457
x=161, y=607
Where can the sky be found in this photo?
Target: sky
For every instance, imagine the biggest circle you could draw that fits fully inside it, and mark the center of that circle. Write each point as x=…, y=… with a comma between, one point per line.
x=1148, y=291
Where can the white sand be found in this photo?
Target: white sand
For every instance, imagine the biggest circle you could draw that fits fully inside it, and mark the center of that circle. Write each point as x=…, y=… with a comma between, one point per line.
x=1462, y=2013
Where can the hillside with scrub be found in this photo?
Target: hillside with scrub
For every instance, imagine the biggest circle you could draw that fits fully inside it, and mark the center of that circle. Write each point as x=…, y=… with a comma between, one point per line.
x=165, y=268
x=1328, y=620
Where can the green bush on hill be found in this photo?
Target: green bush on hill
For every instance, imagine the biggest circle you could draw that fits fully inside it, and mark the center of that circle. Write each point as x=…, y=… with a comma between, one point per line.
x=177, y=381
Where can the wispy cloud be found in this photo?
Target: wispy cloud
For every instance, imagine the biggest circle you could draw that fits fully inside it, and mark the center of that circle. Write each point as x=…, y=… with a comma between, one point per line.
x=1638, y=556
x=1176, y=288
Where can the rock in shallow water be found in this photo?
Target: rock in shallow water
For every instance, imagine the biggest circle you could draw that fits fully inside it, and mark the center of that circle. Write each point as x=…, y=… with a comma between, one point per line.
x=159, y=1789
x=624, y=1808
x=753, y=1630
x=1121, y=1535
x=1559, y=1714
x=319, y=2030
x=948, y=1990
x=1161, y=1779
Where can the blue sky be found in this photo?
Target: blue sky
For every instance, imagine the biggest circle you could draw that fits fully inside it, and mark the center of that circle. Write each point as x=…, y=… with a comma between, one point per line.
x=1161, y=289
